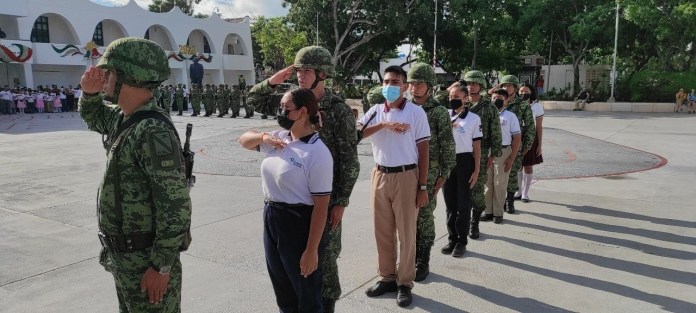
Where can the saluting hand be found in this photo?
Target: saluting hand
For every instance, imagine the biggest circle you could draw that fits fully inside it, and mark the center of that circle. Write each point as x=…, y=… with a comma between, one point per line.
x=92, y=80
x=397, y=127
x=281, y=76
x=272, y=141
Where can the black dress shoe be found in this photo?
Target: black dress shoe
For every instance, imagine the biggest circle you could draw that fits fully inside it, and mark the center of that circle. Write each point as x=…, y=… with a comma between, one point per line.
x=525, y=200
x=447, y=249
x=487, y=217
x=498, y=219
x=459, y=250
x=381, y=288
x=404, y=298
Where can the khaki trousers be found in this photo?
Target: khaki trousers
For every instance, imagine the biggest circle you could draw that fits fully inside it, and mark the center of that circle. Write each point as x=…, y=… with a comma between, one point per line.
x=496, y=184
x=395, y=214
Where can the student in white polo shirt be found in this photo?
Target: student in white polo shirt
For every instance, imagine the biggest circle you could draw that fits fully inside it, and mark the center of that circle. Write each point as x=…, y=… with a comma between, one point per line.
x=296, y=176
x=499, y=172
x=400, y=135
x=466, y=128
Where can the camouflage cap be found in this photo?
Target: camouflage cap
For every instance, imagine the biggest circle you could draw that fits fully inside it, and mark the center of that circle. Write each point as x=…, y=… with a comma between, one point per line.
x=476, y=77
x=140, y=59
x=421, y=73
x=375, y=95
x=315, y=57
x=510, y=79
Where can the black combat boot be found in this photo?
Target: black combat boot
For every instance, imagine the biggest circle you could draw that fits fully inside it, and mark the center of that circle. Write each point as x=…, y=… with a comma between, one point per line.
x=263, y=117
x=194, y=114
x=422, y=264
x=329, y=305
x=476, y=216
x=510, y=202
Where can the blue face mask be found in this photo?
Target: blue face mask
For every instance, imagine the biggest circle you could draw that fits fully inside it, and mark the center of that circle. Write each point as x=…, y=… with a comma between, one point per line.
x=391, y=93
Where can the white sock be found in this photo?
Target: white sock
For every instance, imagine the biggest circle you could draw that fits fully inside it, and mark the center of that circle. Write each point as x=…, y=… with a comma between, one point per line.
x=526, y=184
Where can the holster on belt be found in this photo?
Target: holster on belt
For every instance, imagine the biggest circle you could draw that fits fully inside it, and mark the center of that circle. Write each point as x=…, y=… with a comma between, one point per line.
x=126, y=243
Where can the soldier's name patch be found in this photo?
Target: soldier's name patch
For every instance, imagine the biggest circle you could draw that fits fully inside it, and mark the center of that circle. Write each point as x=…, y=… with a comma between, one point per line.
x=167, y=163
x=162, y=143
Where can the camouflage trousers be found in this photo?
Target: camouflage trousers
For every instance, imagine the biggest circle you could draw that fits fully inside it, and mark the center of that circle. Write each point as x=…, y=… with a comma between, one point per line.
x=234, y=105
x=196, y=104
x=180, y=104
x=513, y=184
x=132, y=300
x=331, y=286
x=209, y=107
x=223, y=107
x=478, y=193
x=425, y=226
x=248, y=108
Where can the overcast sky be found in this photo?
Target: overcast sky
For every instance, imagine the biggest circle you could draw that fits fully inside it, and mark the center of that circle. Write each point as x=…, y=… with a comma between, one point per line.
x=228, y=8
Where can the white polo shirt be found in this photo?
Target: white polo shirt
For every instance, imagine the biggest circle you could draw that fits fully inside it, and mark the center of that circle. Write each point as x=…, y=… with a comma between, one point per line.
x=537, y=109
x=295, y=173
x=7, y=95
x=466, y=130
x=390, y=148
x=509, y=125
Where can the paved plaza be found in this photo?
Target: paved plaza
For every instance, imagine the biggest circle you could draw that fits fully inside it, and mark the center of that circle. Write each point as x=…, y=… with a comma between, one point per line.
x=620, y=239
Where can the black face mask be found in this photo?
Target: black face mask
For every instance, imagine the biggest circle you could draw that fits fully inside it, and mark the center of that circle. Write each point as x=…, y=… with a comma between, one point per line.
x=499, y=103
x=284, y=121
x=525, y=96
x=455, y=104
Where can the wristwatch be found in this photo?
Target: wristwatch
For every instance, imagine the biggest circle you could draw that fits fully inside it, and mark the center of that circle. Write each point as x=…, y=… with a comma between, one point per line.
x=423, y=187
x=164, y=270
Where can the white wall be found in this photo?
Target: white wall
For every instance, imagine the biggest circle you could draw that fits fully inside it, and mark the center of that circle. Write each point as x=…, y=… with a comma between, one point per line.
x=113, y=30
x=60, y=30
x=9, y=26
x=61, y=75
x=11, y=72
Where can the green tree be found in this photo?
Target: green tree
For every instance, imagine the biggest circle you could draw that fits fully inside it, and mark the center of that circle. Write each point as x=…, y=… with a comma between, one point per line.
x=357, y=32
x=276, y=42
x=186, y=6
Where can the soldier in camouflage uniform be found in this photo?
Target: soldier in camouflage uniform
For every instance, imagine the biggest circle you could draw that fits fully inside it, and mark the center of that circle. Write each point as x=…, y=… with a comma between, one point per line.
x=490, y=145
x=170, y=98
x=196, y=99
x=179, y=99
x=208, y=95
x=248, y=107
x=142, y=228
x=421, y=79
x=313, y=65
x=372, y=97
x=234, y=101
x=524, y=114
x=222, y=101
x=441, y=96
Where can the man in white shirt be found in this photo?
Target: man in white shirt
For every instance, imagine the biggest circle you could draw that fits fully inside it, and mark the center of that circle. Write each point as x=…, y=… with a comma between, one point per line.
x=400, y=135
x=6, y=96
x=499, y=172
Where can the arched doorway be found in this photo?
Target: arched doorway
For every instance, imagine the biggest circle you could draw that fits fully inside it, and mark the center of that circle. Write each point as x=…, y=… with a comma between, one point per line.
x=53, y=28
x=107, y=31
x=201, y=41
x=162, y=36
x=234, y=45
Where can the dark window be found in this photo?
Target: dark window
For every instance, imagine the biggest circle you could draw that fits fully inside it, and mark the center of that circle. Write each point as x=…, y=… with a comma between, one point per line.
x=98, y=36
x=147, y=34
x=40, y=31
x=206, y=46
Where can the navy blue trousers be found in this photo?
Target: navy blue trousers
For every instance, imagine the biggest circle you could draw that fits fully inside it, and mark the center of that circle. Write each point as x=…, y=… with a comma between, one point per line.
x=458, y=198
x=286, y=229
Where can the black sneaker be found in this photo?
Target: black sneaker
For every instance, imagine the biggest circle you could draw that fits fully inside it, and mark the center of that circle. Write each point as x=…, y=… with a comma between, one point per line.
x=404, y=298
x=448, y=248
x=487, y=217
x=381, y=288
x=459, y=250
x=498, y=219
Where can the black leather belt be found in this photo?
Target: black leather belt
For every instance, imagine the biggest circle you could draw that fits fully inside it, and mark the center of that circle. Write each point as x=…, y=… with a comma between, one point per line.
x=508, y=146
x=127, y=243
x=395, y=169
x=288, y=205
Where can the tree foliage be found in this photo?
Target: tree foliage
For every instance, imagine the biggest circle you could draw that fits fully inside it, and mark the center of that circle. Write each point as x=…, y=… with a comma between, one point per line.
x=186, y=6
x=276, y=42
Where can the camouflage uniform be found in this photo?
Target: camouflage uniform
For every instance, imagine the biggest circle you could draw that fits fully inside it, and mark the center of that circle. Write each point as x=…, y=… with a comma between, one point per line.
x=527, y=126
x=339, y=135
x=171, y=94
x=154, y=198
x=223, y=101
x=179, y=99
x=248, y=107
x=208, y=97
x=196, y=99
x=442, y=161
x=372, y=97
x=234, y=101
x=441, y=97
x=491, y=145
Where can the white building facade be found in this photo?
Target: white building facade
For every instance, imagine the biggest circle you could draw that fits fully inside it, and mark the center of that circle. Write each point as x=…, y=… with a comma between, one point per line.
x=51, y=42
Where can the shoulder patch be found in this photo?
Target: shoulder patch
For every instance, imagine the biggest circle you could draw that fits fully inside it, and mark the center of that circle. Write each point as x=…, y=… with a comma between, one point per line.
x=164, y=150
x=162, y=143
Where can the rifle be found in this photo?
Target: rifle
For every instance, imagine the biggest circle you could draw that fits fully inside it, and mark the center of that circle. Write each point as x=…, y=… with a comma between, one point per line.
x=188, y=157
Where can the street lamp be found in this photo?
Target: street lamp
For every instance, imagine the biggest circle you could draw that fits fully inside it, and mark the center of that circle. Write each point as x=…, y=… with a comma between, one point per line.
x=612, y=76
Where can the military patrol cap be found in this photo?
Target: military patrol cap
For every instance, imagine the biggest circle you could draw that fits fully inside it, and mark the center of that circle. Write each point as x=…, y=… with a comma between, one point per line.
x=315, y=57
x=475, y=77
x=421, y=73
x=510, y=79
x=141, y=60
x=375, y=95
